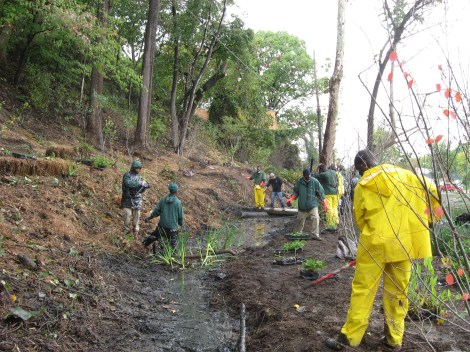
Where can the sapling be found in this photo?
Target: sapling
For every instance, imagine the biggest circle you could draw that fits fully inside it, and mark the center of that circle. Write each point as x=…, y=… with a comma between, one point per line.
x=313, y=264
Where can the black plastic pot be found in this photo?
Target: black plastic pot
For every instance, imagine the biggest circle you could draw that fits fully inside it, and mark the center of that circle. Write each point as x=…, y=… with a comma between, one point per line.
x=288, y=261
x=309, y=275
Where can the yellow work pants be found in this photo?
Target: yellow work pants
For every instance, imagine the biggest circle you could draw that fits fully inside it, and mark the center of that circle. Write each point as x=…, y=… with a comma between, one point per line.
x=364, y=288
x=259, y=196
x=332, y=217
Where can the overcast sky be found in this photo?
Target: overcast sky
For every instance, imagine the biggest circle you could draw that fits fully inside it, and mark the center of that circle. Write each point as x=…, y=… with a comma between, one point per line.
x=314, y=21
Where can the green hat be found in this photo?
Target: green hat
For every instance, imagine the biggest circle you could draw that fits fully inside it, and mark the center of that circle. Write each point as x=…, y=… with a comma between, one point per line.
x=173, y=187
x=136, y=164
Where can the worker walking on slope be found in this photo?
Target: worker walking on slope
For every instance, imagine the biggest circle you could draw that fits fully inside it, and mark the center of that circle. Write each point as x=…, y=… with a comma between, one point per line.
x=276, y=183
x=329, y=181
x=170, y=210
x=393, y=208
x=309, y=193
x=259, y=179
x=133, y=185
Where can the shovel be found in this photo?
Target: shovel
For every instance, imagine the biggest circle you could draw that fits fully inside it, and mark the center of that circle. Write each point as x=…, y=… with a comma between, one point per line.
x=333, y=273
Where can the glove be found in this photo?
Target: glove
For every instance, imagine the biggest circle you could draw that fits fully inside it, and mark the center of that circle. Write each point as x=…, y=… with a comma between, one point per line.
x=145, y=184
x=147, y=219
x=261, y=184
x=325, y=205
x=248, y=177
x=290, y=200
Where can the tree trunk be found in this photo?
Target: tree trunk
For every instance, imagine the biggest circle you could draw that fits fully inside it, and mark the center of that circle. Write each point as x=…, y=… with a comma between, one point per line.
x=94, y=123
x=4, y=38
x=326, y=156
x=221, y=73
x=23, y=58
x=317, y=94
x=174, y=114
x=150, y=43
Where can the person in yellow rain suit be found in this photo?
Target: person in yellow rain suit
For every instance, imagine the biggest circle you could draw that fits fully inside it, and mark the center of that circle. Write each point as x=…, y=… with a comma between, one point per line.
x=329, y=181
x=259, y=178
x=393, y=208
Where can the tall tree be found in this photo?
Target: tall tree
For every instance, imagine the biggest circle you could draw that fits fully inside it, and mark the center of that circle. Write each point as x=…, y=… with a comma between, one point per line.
x=194, y=73
x=285, y=68
x=326, y=156
x=143, y=121
x=94, y=123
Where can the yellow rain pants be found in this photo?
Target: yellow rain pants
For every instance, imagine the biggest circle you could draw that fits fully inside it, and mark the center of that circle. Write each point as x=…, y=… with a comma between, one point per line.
x=392, y=210
x=332, y=217
x=259, y=196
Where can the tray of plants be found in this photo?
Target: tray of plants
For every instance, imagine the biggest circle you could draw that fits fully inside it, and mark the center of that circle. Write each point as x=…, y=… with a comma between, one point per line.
x=290, y=247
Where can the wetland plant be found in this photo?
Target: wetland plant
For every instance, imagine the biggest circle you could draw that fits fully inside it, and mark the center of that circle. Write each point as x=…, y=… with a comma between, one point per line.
x=313, y=265
x=294, y=246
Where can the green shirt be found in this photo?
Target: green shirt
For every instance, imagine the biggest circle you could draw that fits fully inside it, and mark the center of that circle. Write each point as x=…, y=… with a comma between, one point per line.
x=170, y=210
x=258, y=177
x=308, y=193
x=329, y=181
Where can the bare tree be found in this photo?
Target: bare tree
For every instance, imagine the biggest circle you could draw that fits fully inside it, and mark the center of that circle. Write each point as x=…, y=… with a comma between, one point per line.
x=398, y=20
x=150, y=43
x=326, y=156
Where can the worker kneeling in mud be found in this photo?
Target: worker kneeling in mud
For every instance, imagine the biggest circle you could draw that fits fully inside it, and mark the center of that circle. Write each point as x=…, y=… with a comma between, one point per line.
x=170, y=210
x=393, y=208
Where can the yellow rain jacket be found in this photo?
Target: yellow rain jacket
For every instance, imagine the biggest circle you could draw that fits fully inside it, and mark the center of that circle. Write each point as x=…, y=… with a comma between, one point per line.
x=391, y=206
x=392, y=213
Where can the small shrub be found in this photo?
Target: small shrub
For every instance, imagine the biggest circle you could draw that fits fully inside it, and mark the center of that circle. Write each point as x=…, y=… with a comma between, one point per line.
x=313, y=264
x=101, y=161
x=294, y=245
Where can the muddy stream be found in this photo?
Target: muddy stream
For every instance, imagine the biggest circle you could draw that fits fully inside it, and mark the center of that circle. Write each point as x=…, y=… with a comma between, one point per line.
x=170, y=309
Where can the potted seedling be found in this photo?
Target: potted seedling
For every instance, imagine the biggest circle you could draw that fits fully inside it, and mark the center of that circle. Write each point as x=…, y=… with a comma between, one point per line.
x=293, y=246
x=311, y=268
x=297, y=236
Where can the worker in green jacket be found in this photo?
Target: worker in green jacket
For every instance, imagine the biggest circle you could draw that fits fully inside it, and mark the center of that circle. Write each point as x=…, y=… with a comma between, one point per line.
x=329, y=181
x=170, y=211
x=259, y=178
x=309, y=193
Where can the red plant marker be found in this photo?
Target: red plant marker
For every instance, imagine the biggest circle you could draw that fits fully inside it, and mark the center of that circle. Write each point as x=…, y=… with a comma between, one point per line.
x=410, y=84
x=439, y=137
x=448, y=93
x=458, y=98
x=439, y=67
x=390, y=76
x=405, y=74
x=393, y=56
x=465, y=296
x=452, y=114
x=460, y=272
x=427, y=211
x=450, y=279
x=438, y=87
x=429, y=141
x=446, y=112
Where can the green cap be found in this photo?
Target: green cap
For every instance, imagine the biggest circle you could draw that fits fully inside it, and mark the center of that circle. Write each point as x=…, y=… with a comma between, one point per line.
x=173, y=187
x=136, y=164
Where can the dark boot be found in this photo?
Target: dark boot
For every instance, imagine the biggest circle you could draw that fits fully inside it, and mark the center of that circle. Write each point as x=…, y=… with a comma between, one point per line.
x=337, y=344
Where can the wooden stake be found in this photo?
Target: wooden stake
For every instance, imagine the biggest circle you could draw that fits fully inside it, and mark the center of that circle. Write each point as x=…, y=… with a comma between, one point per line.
x=242, y=328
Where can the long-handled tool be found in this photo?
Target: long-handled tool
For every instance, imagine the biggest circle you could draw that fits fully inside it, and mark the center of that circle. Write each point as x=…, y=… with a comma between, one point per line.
x=333, y=273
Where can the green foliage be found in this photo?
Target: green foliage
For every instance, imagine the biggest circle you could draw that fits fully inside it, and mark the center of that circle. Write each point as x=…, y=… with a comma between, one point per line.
x=424, y=298
x=294, y=245
x=290, y=175
x=313, y=264
x=101, y=161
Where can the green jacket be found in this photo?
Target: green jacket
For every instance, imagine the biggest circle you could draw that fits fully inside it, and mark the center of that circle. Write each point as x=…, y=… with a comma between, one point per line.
x=308, y=193
x=329, y=181
x=258, y=177
x=170, y=210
